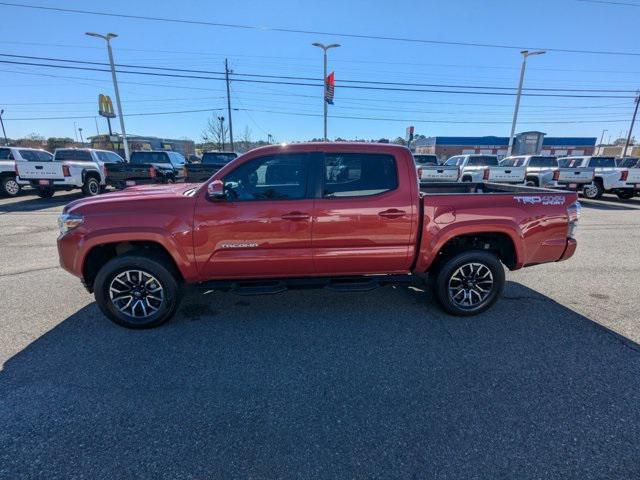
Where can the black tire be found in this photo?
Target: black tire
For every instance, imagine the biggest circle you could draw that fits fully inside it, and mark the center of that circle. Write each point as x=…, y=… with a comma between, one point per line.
x=467, y=179
x=9, y=187
x=444, y=279
x=626, y=194
x=46, y=192
x=91, y=186
x=150, y=266
x=595, y=191
x=531, y=182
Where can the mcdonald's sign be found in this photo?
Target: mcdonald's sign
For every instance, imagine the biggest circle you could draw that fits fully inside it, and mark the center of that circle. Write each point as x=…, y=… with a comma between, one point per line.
x=105, y=107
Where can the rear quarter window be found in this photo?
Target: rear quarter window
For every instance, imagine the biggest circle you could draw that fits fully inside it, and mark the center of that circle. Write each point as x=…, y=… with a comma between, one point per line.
x=358, y=174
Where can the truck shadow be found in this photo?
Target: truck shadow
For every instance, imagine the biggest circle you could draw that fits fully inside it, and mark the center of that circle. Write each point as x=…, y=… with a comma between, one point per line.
x=610, y=203
x=32, y=203
x=304, y=385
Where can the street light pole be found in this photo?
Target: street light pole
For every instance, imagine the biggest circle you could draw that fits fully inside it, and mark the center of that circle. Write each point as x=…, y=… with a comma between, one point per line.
x=81, y=139
x=633, y=120
x=4, y=133
x=525, y=54
x=324, y=80
x=108, y=38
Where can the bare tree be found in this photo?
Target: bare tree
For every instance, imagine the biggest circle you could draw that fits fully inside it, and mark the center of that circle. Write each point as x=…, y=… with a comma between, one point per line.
x=215, y=133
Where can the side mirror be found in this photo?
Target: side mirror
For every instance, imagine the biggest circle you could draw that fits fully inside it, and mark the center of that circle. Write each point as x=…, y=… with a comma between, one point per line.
x=215, y=191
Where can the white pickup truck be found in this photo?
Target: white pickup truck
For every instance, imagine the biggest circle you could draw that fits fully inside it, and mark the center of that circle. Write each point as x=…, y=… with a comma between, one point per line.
x=545, y=171
x=607, y=176
x=10, y=184
x=70, y=168
x=476, y=168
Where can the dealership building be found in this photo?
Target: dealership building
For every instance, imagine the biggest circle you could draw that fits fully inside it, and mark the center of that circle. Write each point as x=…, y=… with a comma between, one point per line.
x=525, y=143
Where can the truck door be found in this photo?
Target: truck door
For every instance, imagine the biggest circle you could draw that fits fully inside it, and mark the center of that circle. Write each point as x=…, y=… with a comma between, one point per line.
x=364, y=215
x=263, y=228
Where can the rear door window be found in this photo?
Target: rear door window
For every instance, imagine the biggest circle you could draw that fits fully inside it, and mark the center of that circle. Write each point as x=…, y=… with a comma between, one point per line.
x=454, y=161
x=272, y=177
x=483, y=161
x=543, y=162
x=602, y=162
x=358, y=174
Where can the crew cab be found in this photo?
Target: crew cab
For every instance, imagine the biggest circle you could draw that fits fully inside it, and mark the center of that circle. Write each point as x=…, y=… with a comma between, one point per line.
x=210, y=164
x=70, y=168
x=544, y=171
x=347, y=216
x=148, y=166
x=477, y=168
x=10, y=183
x=608, y=177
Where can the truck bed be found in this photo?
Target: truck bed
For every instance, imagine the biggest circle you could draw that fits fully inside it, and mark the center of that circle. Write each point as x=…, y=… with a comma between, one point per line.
x=479, y=188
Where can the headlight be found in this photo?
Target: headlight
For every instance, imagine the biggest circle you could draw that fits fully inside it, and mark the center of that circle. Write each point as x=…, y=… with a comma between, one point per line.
x=68, y=221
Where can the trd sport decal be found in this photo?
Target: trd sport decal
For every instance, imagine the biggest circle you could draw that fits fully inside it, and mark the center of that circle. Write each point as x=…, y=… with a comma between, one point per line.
x=540, y=199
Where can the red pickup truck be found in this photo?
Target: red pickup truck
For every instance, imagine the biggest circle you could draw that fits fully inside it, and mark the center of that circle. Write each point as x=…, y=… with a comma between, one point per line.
x=348, y=216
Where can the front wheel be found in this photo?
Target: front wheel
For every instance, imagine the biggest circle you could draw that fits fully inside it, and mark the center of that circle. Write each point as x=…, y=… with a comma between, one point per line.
x=137, y=291
x=593, y=191
x=469, y=283
x=91, y=187
x=626, y=194
x=9, y=187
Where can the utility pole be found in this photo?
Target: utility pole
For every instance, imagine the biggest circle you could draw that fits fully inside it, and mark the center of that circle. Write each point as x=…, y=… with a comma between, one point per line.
x=633, y=120
x=75, y=131
x=525, y=54
x=226, y=74
x=324, y=80
x=4, y=133
x=108, y=38
x=97, y=129
x=222, y=135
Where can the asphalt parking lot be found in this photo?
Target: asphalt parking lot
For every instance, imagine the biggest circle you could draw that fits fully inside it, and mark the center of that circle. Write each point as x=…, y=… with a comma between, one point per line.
x=320, y=384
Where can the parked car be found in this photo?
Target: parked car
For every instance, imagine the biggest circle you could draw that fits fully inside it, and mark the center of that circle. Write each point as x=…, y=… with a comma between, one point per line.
x=10, y=183
x=70, y=168
x=147, y=166
x=633, y=164
x=608, y=177
x=344, y=216
x=544, y=171
x=210, y=164
x=472, y=168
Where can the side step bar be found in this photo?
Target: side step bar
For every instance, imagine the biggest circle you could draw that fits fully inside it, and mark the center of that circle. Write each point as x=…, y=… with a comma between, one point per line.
x=338, y=284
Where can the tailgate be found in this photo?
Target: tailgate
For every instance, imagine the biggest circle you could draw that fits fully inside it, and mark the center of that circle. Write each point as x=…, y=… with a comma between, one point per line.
x=575, y=175
x=507, y=174
x=122, y=172
x=634, y=176
x=439, y=174
x=39, y=170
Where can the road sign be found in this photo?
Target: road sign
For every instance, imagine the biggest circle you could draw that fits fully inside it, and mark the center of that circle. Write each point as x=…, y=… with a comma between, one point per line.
x=105, y=107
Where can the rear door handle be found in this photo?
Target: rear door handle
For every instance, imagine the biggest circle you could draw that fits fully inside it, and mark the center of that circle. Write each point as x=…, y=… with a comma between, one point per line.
x=392, y=213
x=296, y=216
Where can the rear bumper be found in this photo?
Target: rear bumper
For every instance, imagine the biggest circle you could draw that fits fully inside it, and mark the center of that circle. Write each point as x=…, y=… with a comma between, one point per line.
x=56, y=183
x=569, y=249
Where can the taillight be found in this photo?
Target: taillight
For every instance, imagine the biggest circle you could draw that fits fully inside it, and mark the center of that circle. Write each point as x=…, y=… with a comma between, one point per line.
x=624, y=174
x=556, y=175
x=153, y=173
x=66, y=171
x=573, y=214
x=485, y=175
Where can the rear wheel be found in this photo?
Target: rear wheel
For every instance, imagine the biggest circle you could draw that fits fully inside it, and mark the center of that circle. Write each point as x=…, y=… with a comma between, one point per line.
x=593, y=191
x=91, y=187
x=469, y=283
x=136, y=291
x=626, y=194
x=9, y=186
x=46, y=192
x=531, y=183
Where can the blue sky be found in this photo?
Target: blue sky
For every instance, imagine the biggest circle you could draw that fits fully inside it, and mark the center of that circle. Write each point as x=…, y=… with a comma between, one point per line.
x=26, y=92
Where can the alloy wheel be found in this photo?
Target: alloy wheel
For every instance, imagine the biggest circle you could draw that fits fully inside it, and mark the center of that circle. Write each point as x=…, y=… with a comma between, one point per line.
x=136, y=294
x=470, y=285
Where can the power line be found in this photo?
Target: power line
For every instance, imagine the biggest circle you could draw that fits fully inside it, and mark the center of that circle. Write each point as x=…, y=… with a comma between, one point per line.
x=141, y=114
x=290, y=77
x=360, y=87
x=314, y=32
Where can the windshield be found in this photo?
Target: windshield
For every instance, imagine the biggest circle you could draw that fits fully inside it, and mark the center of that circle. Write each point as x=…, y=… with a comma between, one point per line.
x=149, y=157
x=602, y=162
x=218, y=158
x=426, y=159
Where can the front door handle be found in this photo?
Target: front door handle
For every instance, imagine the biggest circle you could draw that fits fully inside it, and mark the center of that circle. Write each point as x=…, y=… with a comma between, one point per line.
x=392, y=213
x=296, y=216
